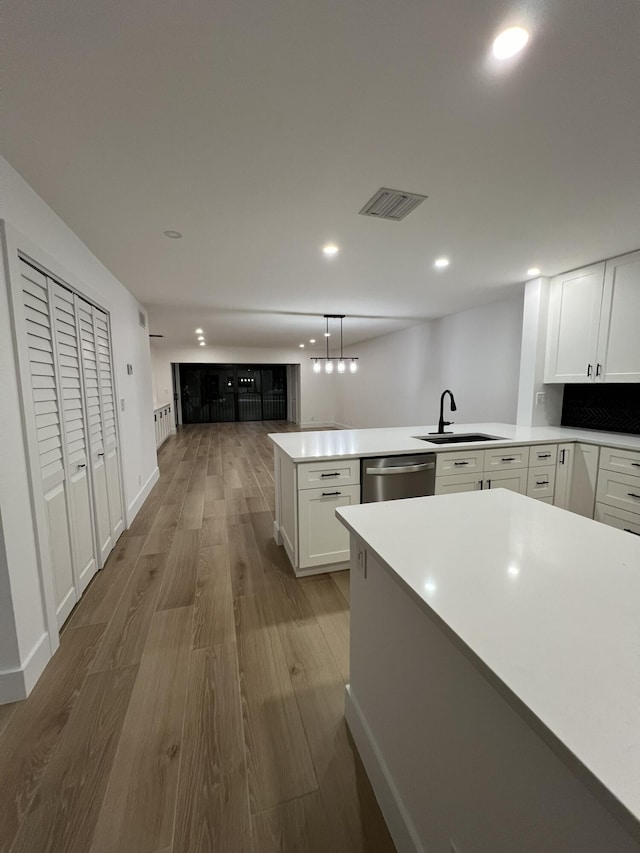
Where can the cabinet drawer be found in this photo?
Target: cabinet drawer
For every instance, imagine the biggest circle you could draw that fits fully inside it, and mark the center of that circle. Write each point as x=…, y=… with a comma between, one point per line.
x=312, y=475
x=619, y=490
x=541, y=481
x=543, y=454
x=623, y=461
x=504, y=458
x=545, y=500
x=323, y=539
x=620, y=518
x=452, y=483
x=460, y=462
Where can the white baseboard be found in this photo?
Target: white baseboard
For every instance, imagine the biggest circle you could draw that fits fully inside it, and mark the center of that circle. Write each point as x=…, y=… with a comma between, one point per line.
x=16, y=684
x=134, y=507
x=342, y=426
x=397, y=819
x=315, y=424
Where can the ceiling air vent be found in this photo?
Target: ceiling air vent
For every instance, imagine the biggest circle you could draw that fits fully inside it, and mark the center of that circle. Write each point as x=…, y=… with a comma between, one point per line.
x=142, y=319
x=392, y=204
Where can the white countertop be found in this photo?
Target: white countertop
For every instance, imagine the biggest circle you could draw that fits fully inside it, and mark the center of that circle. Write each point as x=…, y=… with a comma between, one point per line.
x=391, y=441
x=549, y=602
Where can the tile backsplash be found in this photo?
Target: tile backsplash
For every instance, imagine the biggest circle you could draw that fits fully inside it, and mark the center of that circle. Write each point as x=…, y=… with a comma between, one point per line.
x=613, y=408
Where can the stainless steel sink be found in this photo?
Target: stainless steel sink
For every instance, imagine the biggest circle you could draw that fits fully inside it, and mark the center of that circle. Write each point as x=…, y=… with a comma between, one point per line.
x=458, y=439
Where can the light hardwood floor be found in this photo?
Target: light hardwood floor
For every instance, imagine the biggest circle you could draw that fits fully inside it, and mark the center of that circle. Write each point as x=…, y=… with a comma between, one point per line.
x=196, y=701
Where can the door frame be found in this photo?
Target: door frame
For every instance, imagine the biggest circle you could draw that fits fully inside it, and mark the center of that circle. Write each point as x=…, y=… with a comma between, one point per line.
x=18, y=247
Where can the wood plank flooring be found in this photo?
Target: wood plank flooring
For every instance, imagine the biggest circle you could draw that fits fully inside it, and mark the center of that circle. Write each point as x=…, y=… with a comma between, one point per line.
x=196, y=702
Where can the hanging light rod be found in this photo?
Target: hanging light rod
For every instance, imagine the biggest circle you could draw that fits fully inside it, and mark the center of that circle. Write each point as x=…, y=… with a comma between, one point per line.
x=328, y=359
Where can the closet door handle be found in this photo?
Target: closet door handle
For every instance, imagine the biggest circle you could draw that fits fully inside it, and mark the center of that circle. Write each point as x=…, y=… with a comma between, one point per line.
x=589, y=369
x=562, y=453
x=481, y=485
x=488, y=484
x=598, y=369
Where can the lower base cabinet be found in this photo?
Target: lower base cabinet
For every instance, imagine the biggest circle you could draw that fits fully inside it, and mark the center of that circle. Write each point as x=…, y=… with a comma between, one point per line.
x=620, y=518
x=322, y=539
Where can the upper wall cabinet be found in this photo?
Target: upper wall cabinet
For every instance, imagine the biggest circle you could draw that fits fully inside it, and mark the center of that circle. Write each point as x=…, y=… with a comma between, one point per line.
x=593, y=318
x=618, y=354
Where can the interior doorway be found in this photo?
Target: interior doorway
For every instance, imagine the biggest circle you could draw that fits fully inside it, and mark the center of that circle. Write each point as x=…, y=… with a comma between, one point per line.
x=215, y=393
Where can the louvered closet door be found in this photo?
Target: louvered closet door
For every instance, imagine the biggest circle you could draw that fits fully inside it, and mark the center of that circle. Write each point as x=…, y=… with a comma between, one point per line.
x=46, y=405
x=74, y=434
x=109, y=430
x=93, y=408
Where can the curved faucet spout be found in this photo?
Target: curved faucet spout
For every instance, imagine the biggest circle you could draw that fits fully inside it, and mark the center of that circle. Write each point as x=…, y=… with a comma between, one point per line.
x=441, y=421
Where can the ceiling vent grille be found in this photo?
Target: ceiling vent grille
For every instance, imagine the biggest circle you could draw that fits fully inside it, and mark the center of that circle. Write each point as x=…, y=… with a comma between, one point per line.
x=392, y=204
x=142, y=319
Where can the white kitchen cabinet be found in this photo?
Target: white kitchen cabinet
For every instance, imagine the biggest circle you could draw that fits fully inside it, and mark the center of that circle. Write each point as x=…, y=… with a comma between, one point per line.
x=564, y=468
x=449, y=484
x=463, y=462
x=620, y=518
x=592, y=323
x=515, y=481
x=322, y=539
x=541, y=482
x=505, y=458
x=618, y=355
x=575, y=302
x=619, y=490
x=543, y=454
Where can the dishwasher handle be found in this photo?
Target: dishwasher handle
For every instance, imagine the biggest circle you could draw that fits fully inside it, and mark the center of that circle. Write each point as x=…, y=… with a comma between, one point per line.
x=401, y=469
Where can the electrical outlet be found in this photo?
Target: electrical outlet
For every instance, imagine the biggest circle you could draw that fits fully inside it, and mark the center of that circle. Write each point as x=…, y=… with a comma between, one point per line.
x=540, y=397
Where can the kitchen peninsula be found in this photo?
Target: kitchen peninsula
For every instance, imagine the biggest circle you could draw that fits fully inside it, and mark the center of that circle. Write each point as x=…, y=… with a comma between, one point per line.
x=494, y=684
x=596, y=474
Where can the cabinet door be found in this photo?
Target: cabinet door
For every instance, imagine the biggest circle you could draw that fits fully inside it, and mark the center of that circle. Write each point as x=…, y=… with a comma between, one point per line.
x=449, y=484
x=618, y=357
x=574, y=319
x=515, y=481
x=562, y=492
x=584, y=474
x=322, y=538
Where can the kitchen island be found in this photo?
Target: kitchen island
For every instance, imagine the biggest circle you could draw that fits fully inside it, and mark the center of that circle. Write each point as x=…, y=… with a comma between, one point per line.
x=318, y=471
x=494, y=689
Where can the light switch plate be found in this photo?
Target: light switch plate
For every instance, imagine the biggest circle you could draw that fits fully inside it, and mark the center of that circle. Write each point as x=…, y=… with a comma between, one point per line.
x=130, y=369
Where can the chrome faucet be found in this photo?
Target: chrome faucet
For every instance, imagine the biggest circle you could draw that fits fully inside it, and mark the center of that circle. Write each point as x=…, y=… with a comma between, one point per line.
x=441, y=422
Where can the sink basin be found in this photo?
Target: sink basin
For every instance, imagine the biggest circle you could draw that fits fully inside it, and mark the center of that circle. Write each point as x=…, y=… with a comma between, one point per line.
x=458, y=439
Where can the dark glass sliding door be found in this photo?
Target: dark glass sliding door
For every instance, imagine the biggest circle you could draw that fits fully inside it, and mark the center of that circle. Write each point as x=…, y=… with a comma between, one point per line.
x=211, y=393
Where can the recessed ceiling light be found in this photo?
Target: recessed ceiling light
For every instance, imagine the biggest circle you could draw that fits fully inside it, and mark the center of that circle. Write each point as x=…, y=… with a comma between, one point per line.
x=200, y=338
x=199, y=332
x=301, y=346
x=312, y=340
x=330, y=249
x=441, y=263
x=327, y=334
x=172, y=235
x=533, y=271
x=510, y=42
x=202, y=344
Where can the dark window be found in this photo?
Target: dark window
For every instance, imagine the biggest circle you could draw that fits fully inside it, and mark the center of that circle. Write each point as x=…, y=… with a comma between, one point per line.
x=211, y=393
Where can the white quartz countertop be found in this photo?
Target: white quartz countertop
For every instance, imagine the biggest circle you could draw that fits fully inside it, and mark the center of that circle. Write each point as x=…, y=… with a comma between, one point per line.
x=331, y=444
x=548, y=601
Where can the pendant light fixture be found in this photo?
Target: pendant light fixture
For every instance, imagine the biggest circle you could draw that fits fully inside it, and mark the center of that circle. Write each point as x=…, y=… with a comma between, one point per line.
x=331, y=362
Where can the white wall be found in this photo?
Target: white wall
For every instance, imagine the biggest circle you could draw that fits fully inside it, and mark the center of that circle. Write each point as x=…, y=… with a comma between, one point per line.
x=317, y=404
x=475, y=353
x=43, y=235
x=396, y=381
x=479, y=360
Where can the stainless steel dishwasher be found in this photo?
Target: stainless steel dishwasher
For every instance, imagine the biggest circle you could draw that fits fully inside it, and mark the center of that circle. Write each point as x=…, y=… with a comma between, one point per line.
x=387, y=478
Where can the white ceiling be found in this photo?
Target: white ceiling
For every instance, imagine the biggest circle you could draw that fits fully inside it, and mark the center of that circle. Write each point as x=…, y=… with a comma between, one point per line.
x=259, y=128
